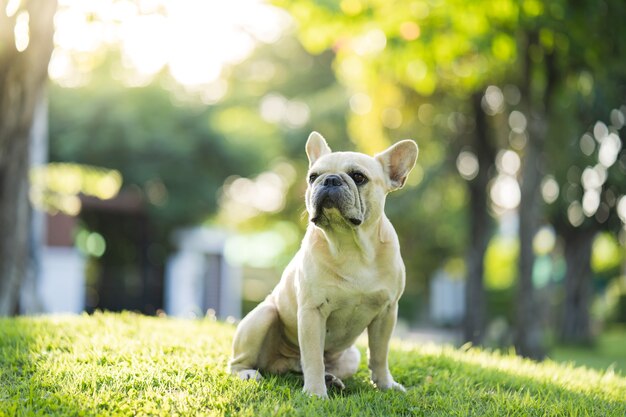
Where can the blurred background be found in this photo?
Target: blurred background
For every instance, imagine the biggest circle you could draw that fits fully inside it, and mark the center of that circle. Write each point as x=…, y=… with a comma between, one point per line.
x=152, y=157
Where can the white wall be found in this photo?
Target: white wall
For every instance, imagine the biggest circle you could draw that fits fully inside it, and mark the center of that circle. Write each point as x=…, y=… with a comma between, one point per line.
x=189, y=274
x=62, y=281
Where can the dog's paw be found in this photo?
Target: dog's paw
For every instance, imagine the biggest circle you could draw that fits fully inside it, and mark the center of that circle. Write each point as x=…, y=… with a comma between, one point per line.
x=391, y=385
x=396, y=387
x=387, y=383
x=332, y=381
x=250, y=374
x=316, y=391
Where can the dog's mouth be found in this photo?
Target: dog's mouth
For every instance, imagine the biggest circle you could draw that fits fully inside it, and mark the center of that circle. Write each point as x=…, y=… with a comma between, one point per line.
x=317, y=220
x=328, y=207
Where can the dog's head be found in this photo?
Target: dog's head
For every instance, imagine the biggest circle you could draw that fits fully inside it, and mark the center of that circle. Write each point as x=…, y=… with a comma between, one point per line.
x=348, y=189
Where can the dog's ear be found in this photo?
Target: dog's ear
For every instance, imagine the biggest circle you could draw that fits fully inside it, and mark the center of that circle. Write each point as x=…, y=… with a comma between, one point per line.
x=316, y=147
x=397, y=161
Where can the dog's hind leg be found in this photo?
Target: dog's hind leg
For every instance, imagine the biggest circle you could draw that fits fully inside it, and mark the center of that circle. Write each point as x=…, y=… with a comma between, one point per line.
x=342, y=366
x=249, y=340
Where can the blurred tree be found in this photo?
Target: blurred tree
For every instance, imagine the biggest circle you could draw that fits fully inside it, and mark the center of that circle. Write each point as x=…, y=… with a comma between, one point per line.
x=585, y=154
x=537, y=88
x=26, y=30
x=167, y=151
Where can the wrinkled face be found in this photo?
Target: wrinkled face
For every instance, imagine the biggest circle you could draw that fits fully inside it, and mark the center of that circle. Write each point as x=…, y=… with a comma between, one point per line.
x=346, y=190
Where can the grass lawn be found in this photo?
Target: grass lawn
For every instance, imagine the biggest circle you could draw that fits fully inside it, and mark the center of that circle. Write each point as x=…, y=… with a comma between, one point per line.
x=609, y=352
x=129, y=365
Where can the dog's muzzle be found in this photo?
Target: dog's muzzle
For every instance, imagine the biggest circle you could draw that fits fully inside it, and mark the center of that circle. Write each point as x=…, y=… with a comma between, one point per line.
x=333, y=192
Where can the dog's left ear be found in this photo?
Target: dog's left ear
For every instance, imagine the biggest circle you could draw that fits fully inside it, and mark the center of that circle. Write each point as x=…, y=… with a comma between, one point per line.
x=397, y=161
x=316, y=147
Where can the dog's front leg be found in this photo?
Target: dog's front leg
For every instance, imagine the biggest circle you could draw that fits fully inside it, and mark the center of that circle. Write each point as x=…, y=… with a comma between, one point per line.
x=311, y=333
x=379, y=334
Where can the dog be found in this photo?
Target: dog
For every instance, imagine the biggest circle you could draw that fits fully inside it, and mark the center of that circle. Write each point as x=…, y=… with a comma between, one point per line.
x=347, y=276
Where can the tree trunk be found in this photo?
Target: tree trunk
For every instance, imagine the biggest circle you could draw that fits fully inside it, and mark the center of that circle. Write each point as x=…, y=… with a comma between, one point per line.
x=529, y=335
x=22, y=78
x=576, y=322
x=480, y=230
x=30, y=298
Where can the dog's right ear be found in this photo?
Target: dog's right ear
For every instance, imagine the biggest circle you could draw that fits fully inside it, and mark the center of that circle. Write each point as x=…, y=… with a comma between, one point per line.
x=397, y=161
x=316, y=147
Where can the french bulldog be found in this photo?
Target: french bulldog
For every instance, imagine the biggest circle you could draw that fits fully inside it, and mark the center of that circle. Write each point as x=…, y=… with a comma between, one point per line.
x=347, y=276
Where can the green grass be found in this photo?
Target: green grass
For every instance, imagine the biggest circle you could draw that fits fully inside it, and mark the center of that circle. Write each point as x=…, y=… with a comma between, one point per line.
x=609, y=352
x=129, y=365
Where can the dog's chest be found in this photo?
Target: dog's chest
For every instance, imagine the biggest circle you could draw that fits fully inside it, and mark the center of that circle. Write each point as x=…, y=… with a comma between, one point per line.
x=350, y=312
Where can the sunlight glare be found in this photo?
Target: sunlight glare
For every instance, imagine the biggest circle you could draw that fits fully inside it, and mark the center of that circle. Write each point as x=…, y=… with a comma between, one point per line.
x=505, y=192
x=12, y=7
x=194, y=39
x=202, y=38
x=73, y=31
x=143, y=38
x=22, y=31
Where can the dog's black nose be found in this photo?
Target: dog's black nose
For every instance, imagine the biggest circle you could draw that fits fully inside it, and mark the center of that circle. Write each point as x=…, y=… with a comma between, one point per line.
x=333, y=180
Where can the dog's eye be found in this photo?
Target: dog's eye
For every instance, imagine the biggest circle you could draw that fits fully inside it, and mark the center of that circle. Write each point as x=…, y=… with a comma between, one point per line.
x=358, y=178
x=312, y=178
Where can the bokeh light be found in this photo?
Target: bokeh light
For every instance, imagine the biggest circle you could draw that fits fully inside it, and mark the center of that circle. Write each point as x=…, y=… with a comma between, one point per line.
x=194, y=39
x=22, y=31
x=549, y=189
x=56, y=186
x=467, y=165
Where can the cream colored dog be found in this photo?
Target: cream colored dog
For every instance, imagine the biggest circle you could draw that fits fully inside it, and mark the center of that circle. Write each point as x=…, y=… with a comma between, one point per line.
x=347, y=276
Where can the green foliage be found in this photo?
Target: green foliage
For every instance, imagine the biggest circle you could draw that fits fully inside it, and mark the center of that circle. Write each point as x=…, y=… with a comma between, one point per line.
x=606, y=255
x=501, y=263
x=125, y=365
x=168, y=151
x=55, y=187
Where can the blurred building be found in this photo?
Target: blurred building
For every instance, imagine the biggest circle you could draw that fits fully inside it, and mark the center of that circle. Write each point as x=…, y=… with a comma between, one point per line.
x=61, y=279
x=447, y=299
x=120, y=272
x=199, y=278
